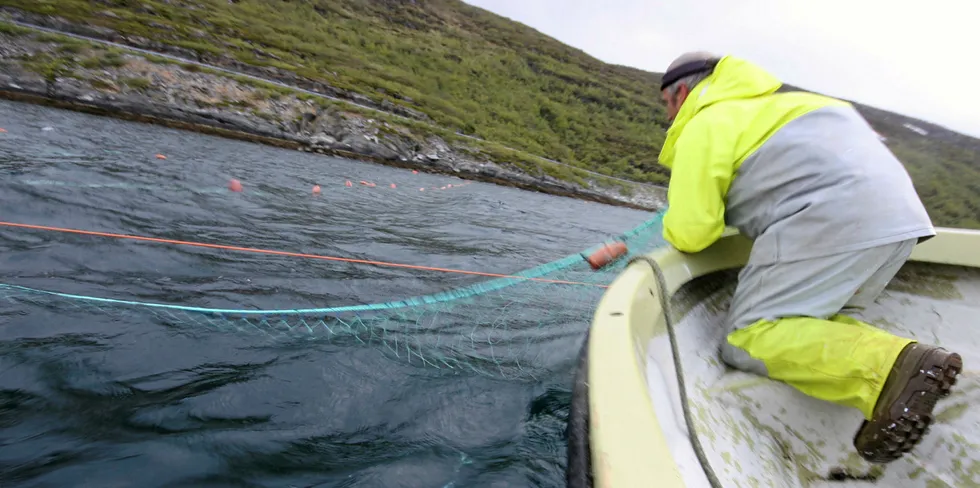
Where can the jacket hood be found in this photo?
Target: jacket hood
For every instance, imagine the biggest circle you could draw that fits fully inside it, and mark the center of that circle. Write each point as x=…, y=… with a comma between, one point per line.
x=733, y=78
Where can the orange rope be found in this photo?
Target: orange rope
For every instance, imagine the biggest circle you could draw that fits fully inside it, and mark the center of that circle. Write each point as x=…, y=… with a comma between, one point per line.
x=285, y=253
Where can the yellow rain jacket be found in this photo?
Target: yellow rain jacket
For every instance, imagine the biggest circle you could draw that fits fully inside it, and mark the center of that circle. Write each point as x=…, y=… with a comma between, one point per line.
x=801, y=174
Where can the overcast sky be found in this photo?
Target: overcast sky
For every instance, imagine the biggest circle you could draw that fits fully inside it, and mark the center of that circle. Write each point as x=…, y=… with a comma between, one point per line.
x=913, y=57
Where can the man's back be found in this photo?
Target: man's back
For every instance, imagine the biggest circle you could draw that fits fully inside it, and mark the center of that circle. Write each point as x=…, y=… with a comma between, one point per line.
x=823, y=183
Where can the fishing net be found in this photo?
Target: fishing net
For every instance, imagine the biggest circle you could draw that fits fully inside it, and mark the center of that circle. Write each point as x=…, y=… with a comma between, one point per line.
x=518, y=326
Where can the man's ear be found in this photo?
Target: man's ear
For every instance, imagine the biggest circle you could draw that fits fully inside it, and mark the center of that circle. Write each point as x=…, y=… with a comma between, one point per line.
x=682, y=92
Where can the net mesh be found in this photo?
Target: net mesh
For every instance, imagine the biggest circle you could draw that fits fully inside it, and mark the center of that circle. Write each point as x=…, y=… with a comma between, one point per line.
x=505, y=327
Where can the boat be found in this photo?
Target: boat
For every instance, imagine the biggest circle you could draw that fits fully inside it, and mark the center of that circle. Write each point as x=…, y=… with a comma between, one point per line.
x=637, y=420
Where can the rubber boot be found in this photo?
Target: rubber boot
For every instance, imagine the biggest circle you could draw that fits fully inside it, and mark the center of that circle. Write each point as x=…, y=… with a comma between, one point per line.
x=921, y=375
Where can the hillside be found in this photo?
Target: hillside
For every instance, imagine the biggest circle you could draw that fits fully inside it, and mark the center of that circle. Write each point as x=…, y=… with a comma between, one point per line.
x=470, y=72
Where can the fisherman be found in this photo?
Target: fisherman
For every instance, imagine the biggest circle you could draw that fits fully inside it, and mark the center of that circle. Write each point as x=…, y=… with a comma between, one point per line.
x=832, y=215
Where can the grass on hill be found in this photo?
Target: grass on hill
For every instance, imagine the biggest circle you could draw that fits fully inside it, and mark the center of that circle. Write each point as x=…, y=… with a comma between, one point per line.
x=470, y=71
x=67, y=56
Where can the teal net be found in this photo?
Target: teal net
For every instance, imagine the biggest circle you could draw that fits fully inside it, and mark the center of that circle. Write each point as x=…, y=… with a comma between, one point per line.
x=512, y=327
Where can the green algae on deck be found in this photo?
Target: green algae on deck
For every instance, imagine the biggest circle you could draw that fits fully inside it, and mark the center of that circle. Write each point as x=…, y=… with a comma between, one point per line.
x=965, y=475
x=784, y=452
x=736, y=386
x=952, y=412
x=727, y=457
x=924, y=279
x=701, y=419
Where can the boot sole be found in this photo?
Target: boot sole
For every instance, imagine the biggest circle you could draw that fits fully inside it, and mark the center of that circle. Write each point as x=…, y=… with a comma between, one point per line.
x=910, y=415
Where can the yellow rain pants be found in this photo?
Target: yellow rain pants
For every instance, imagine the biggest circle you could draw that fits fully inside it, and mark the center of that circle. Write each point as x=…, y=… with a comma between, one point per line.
x=790, y=322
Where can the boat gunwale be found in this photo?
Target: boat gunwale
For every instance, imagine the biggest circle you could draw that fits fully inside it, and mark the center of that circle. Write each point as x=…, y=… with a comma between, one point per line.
x=629, y=446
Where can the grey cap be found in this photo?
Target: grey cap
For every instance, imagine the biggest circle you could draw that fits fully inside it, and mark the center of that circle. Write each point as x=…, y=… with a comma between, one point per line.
x=688, y=64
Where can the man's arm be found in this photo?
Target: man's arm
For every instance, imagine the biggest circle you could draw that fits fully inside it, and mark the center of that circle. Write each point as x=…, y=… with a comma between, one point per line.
x=699, y=181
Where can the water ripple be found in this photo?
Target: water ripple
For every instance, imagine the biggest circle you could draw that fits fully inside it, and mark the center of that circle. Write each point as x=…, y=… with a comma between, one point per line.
x=91, y=399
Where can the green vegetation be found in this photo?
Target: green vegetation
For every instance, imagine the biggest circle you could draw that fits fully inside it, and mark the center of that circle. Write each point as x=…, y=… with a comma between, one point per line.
x=100, y=84
x=102, y=59
x=13, y=30
x=50, y=67
x=136, y=83
x=946, y=177
x=470, y=71
x=473, y=73
x=97, y=56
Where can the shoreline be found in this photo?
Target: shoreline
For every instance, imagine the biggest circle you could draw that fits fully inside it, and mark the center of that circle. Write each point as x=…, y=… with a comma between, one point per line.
x=103, y=110
x=87, y=77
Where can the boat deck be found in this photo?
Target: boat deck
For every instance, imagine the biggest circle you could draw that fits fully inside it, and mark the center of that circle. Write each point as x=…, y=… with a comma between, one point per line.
x=760, y=433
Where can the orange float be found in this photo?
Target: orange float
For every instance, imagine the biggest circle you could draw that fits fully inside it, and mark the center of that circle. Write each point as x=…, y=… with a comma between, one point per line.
x=607, y=254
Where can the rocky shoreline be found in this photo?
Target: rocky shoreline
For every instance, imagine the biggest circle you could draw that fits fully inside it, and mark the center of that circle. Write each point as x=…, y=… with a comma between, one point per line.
x=81, y=76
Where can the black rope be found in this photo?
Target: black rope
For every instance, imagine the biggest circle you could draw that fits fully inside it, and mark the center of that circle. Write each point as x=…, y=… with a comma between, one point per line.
x=665, y=305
